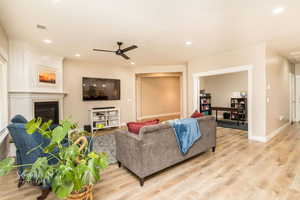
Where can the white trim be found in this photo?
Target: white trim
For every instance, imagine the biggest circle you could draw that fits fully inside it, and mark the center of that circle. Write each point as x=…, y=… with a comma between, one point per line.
x=292, y=97
x=258, y=139
x=159, y=115
x=277, y=131
x=35, y=92
x=249, y=69
x=297, y=119
x=270, y=136
x=224, y=71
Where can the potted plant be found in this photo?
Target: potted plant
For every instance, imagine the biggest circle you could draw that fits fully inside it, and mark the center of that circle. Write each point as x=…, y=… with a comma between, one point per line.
x=77, y=168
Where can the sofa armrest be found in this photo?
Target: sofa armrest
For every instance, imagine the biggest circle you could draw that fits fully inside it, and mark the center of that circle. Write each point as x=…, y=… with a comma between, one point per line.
x=129, y=150
x=208, y=128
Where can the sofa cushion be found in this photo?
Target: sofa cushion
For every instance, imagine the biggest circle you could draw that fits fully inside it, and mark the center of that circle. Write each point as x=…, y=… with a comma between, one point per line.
x=197, y=114
x=134, y=127
x=19, y=119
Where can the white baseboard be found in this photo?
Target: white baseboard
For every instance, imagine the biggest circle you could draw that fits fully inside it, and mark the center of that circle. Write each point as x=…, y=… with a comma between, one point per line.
x=258, y=139
x=270, y=136
x=277, y=131
x=159, y=115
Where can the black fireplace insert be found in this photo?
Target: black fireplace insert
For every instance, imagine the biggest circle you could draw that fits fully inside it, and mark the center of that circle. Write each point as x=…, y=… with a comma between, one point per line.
x=47, y=111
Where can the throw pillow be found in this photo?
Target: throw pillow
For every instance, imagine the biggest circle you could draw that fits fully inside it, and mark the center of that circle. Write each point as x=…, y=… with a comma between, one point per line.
x=196, y=114
x=134, y=127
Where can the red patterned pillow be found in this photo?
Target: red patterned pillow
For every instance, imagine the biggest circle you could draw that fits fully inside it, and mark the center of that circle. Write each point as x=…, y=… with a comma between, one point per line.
x=134, y=127
x=196, y=114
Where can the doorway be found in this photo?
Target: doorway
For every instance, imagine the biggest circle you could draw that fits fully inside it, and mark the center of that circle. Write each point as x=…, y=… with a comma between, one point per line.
x=158, y=96
x=197, y=92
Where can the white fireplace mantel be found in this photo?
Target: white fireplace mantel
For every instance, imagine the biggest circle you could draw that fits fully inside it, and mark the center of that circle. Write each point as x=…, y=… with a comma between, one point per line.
x=22, y=102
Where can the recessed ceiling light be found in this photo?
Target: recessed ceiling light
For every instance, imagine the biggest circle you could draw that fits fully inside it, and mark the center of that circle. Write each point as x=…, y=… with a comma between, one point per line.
x=278, y=10
x=133, y=63
x=77, y=55
x=188, y=42
x=48, y=41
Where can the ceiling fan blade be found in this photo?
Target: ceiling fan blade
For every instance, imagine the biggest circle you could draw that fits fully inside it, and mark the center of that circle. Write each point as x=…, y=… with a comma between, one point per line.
x=125, y=56
x=103, y=50
x=129, y=48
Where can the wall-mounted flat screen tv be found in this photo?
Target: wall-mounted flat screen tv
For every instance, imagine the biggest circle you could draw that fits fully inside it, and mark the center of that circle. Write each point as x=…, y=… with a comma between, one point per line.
x=100, y=89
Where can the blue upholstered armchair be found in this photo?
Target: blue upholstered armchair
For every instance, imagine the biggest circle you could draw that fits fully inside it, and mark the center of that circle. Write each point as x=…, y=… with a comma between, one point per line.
x=26, y=144
x=28, y=151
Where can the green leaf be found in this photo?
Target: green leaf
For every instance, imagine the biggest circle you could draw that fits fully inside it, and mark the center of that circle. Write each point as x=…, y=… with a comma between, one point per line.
x=66, y=125
x=62, y=184
x=32, y=125
x=6, y=166
x=50, y=147
x=93, y=155
x=44, y=129
x=62, y=188
x=79, y=170
x=46, y=125
x=58, y=135
x=92, y=165
x=71, y=152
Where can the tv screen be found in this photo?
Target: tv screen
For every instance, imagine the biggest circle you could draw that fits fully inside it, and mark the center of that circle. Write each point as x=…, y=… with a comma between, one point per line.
x=94, y=89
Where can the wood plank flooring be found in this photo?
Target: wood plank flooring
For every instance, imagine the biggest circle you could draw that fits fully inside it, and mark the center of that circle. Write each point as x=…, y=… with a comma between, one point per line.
x=238, y=170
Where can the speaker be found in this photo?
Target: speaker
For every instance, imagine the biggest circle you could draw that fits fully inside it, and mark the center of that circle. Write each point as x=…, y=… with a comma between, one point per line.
x=87, y=128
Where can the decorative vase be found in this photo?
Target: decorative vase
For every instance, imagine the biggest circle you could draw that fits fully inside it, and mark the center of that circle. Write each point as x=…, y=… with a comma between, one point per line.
x=86, y=194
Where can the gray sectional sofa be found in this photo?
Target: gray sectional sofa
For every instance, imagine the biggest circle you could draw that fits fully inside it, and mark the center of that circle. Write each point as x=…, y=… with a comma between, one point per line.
x=155, y=148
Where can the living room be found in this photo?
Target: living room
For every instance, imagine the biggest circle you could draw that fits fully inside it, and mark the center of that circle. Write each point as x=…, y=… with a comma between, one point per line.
x=65, y=58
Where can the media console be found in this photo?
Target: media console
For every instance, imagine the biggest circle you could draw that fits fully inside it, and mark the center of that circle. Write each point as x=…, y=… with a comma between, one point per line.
x=102, y=118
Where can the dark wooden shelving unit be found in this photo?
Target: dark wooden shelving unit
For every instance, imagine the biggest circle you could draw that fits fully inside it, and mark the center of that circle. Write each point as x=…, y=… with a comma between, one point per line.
x=240, y=114
x=205, y=104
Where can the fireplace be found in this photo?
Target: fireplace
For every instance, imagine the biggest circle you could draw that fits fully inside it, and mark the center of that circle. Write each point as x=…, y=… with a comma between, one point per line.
x=47, y=111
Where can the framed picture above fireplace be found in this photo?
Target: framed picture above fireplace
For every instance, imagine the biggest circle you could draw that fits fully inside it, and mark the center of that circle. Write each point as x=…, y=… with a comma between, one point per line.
x=46, y=76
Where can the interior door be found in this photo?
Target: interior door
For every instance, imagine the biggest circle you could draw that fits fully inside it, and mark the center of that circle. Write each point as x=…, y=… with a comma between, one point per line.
x=298, y=98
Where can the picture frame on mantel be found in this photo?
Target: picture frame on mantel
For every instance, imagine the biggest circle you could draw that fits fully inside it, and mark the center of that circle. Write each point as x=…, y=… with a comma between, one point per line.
x=46, y=76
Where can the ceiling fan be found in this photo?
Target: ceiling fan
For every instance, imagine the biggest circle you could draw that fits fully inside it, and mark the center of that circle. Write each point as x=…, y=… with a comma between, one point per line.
x=120, y=52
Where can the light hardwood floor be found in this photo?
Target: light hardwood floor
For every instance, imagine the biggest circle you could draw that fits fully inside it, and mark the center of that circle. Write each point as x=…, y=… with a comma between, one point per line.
x=238, y=170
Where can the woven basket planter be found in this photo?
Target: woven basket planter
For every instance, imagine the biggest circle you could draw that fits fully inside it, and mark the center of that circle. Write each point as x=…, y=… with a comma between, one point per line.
x=87, y=194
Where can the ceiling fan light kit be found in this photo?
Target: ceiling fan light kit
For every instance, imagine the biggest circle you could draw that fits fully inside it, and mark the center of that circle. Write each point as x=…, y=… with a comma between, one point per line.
x=120, y=52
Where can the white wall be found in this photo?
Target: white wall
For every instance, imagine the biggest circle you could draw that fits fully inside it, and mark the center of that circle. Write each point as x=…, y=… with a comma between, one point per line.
x=3, y=43
x=25, y=62
x=278, y=72
x=76, y=108
x=3, y=100
x=251, y=56
x=74, y=70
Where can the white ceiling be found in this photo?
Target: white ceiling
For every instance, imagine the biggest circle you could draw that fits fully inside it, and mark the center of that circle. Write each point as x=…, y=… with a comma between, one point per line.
x=159, y=27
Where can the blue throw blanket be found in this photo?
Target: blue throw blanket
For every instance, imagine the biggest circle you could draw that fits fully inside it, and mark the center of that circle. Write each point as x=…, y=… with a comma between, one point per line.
x=187, y=132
